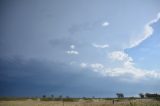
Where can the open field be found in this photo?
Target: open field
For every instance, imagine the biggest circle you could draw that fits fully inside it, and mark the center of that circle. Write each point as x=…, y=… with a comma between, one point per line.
x=138, y=102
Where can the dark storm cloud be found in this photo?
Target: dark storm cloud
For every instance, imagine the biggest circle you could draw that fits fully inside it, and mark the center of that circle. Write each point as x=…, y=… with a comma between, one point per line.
x=80, y=27
x=86, y=26
x=62, y=43
x=19, y=77
x=16, y=74
x=36, y=77
x=65, y=42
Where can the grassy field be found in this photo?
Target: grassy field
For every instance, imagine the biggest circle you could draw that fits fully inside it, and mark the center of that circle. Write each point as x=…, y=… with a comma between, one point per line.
x=137, y=102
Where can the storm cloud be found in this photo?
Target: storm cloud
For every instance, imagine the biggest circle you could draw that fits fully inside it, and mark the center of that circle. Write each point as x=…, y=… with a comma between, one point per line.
x=79, y=48
x=37, y=77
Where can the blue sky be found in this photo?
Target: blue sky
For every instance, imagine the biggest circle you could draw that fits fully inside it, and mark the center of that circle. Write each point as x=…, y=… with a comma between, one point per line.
x=79, y=47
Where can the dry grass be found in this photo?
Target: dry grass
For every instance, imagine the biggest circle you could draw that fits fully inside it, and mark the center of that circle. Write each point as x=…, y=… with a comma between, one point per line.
x=81, y=103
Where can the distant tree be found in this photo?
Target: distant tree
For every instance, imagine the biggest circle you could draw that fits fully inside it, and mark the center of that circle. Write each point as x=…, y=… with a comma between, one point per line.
x=120, y=95
x=141, y=95
x=67, y=97
x=84, y=98
x=149, y=95
x=52, y=96
x=61, y=97
x=44, y=96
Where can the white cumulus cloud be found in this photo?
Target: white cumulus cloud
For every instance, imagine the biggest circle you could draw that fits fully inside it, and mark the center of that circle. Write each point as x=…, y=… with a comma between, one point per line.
x=105, y=24
x=127, y=71
x=100, y=46
x=72, y=52
x=72, y=46
x=121, y=56
x=131, y=73
x=118, y=55
x=97, y=66
x=147, y=32
x=83, y=65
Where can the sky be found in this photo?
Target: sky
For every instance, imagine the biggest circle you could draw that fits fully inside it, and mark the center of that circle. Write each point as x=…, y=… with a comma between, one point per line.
x=79, y=47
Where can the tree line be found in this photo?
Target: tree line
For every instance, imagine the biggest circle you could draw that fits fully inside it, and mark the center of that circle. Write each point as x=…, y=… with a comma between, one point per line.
x=119, y=95
x=150, y=95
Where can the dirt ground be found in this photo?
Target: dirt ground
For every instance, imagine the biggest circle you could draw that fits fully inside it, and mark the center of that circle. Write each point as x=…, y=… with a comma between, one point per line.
x=81, y=103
